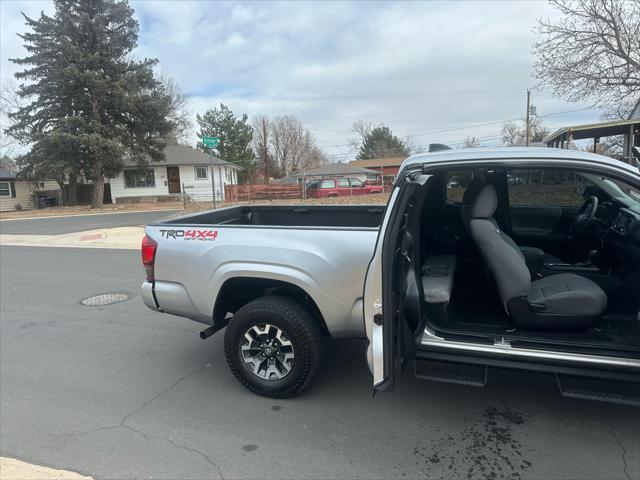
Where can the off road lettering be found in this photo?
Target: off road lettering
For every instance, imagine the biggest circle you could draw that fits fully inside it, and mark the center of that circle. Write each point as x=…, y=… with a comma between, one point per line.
x=191, y=234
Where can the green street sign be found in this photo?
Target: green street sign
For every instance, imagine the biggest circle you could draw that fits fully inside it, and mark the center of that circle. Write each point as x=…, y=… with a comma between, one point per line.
x=210, y=142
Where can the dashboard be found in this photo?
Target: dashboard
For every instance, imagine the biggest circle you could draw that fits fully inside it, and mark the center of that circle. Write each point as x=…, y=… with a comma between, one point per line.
x=626, y=222
x=622, y=238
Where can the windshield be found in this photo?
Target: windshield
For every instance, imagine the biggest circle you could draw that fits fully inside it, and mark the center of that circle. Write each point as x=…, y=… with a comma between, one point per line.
x=615, y=188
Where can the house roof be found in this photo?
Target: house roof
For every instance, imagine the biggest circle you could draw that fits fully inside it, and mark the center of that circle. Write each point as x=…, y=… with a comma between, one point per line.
x=379, y=162
x=186, y=155
x=288, y=180
x=6, y=174
x=635, y=113
x=604, y=129
x=334, y=169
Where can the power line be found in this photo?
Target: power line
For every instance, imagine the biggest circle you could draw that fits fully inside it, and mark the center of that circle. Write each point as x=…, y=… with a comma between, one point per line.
x=400, y=111
x=466, y=127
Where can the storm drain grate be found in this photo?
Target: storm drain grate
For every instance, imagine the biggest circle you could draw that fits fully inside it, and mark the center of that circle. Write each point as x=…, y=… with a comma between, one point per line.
x=104, y=299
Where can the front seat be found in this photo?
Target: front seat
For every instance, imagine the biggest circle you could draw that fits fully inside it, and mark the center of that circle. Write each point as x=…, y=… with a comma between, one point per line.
x=535, y=257
x=559, y=302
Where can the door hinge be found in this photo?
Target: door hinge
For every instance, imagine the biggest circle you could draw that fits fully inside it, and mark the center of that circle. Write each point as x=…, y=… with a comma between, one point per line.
x=377, y=319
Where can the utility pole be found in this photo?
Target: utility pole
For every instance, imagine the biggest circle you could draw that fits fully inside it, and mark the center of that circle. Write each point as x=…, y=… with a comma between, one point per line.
x=210, y=143
x=213, y=180
x=528, y=119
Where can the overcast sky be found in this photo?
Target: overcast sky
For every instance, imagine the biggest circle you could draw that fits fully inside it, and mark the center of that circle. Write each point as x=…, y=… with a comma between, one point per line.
x=433, y=72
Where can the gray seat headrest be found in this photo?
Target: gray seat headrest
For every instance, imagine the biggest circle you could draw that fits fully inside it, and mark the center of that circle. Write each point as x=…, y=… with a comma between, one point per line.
x=473, y=190
x=486, y=203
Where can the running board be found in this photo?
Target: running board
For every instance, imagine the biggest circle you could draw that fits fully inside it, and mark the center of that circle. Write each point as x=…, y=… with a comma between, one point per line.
x=612, y=391
x=451, y=372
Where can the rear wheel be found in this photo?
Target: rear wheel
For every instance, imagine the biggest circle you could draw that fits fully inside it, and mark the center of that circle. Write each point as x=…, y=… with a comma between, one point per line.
x=273, y=347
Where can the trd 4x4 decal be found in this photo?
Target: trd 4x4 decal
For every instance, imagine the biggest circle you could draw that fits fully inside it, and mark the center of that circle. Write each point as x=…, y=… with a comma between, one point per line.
x=190, y=234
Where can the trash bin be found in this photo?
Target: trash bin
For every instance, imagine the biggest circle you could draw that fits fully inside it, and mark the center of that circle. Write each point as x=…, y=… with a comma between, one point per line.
x=42, y=201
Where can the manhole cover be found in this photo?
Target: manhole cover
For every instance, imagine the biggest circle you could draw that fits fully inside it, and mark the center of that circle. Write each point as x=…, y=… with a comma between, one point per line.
x=104, y=299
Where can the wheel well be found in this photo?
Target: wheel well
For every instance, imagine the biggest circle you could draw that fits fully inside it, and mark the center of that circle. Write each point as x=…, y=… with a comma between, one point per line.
x=237, y=292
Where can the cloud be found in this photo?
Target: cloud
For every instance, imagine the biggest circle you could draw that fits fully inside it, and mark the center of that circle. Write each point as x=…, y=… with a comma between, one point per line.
x=420, y=67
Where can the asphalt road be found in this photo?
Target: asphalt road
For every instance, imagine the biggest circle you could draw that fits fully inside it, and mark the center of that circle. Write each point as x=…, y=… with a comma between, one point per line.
x=123, y=392
x=79, y=223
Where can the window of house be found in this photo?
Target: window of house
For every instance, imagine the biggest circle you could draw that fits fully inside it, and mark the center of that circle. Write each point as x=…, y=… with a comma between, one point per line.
x=344, y=182
x=139, y=178
x=546, y=187
x=5, y=189
x=201, y=173
x=457, y=182
x=327, y=184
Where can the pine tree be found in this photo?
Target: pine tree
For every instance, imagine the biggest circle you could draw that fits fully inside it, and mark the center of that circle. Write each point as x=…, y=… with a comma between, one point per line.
x=380, y=142
x=91, y=106
x=235, y=136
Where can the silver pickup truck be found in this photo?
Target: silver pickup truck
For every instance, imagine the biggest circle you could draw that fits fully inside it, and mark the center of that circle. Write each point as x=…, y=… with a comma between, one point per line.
x=509, y=258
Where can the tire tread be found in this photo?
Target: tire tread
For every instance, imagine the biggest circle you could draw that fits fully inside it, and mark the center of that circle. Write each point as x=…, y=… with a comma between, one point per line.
x=300, y=320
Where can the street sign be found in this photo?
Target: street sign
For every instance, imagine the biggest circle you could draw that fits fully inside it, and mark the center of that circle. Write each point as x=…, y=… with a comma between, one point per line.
x=210, y=142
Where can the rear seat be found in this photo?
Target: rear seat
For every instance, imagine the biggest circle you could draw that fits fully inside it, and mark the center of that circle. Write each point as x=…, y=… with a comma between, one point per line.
x=437, y=278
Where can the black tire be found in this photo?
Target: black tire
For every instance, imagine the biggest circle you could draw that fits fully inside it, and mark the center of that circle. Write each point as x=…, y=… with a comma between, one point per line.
x=297, y=324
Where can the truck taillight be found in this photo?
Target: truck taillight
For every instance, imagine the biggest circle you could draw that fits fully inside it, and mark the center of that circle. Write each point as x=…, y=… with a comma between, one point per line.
x=149, y=247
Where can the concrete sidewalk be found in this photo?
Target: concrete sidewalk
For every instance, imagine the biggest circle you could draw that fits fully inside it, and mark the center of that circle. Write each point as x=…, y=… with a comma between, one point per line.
x=12, y=469
x=119, y=237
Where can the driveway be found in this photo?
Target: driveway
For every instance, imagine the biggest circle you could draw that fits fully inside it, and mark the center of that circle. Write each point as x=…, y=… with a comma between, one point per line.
x=123, y=392
x=79, y=223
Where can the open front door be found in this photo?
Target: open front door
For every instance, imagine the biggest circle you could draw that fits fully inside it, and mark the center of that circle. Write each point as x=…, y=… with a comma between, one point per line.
x=392, y=297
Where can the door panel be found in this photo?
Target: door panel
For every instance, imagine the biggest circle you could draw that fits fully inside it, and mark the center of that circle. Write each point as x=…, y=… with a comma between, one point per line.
x=357, y=187
x=544, y=227
x=373, y=304
x=393, y=287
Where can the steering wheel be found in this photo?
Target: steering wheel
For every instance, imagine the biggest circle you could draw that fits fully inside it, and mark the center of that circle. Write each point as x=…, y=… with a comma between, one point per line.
x=584, y=218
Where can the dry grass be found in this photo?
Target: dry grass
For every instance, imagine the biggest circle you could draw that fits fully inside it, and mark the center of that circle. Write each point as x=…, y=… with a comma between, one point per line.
x=373, y=199
x=565, y=195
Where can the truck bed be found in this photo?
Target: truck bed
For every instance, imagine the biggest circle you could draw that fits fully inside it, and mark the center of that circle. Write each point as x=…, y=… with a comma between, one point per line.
x=354, y=216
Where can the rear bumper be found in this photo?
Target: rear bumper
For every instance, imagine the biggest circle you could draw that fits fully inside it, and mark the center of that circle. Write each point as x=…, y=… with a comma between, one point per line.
x=149, y=299
x=169, y=297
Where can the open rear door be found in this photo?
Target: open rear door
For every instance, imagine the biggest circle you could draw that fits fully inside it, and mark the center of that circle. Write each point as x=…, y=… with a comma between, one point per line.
x=392, y=298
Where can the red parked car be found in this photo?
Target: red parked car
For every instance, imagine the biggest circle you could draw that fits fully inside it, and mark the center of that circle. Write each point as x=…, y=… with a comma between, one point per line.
x=335, y=187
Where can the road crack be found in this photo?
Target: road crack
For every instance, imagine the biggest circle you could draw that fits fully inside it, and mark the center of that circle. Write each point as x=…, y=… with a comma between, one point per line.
x=123, y=423
x=624, y=452
x=198, y=452
x=166, y=390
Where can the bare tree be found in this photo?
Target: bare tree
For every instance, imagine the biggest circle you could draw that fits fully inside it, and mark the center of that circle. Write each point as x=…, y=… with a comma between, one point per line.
x=10, y=101
x=292, y=145
x=361, y=130
x=471, y=142
x=592, y=52
x=261, y=143
x=512, y=134
x=179, y=115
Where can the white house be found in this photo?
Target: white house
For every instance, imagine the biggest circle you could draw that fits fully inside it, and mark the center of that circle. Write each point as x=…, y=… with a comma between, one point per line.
x=184, y=170
x=21, y=194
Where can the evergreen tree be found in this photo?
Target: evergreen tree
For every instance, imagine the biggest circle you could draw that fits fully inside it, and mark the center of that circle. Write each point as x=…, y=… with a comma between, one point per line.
x=380, y=142
x=91, y=106
x=235, y=136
